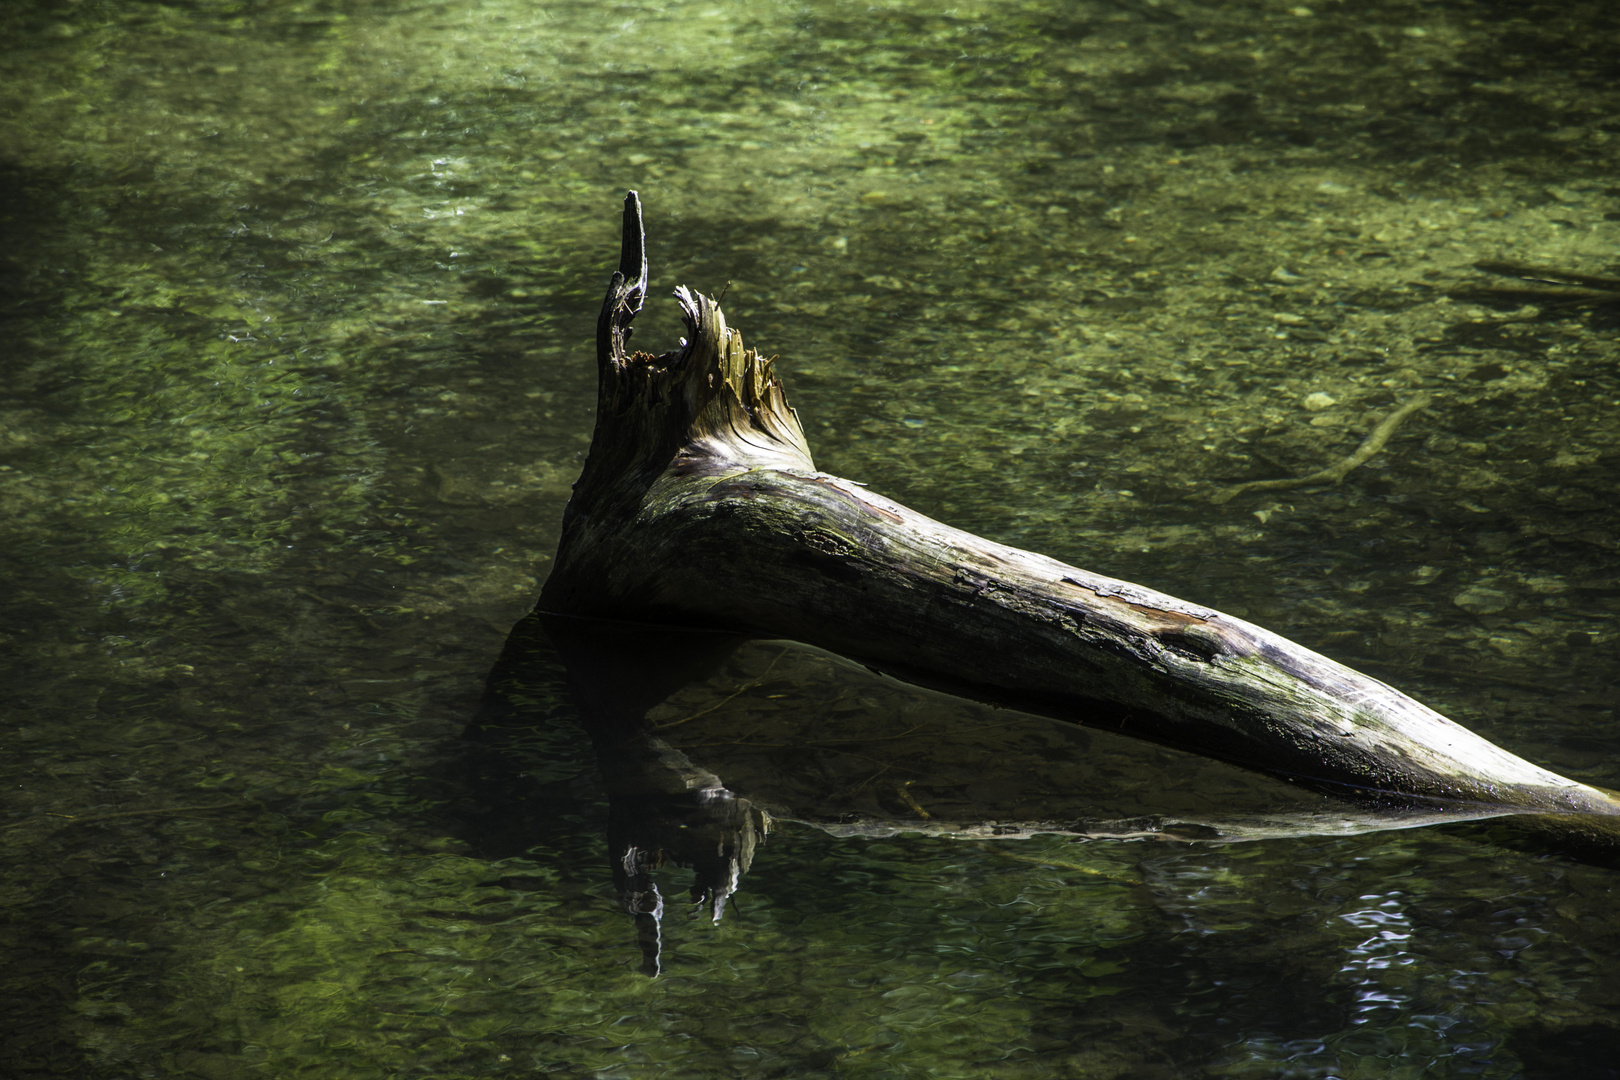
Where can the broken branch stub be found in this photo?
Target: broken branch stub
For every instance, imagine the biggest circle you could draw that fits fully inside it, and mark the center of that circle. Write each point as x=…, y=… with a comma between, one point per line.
x=699, y=505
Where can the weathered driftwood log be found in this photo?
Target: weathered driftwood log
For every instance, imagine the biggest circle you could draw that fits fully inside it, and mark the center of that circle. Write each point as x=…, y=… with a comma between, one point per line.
x=699, y=505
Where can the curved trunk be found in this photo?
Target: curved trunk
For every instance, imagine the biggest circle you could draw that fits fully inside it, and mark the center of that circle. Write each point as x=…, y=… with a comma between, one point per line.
x=699, y=504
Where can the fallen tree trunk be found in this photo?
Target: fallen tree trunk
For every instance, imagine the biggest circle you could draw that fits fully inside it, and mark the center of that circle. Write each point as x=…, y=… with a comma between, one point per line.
x=699, y=505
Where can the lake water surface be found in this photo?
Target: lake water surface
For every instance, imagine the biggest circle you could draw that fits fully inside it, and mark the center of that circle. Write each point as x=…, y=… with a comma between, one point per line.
x=296, y=369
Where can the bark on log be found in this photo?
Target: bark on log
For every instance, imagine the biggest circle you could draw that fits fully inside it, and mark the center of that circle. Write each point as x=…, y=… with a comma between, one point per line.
x=699, y=505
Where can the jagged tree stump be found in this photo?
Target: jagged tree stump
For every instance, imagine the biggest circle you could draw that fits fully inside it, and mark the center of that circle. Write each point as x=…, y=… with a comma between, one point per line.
x=699, y=505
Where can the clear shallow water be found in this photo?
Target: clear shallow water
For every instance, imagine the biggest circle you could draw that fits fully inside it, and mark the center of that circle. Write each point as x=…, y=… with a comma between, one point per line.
x=297, y=374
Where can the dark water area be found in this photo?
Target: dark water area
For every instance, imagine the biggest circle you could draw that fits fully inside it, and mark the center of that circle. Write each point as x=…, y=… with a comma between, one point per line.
x=296, y=369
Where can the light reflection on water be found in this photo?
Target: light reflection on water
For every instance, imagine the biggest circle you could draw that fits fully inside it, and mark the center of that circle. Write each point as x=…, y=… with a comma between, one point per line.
x=1385, y=949
x=299, y=309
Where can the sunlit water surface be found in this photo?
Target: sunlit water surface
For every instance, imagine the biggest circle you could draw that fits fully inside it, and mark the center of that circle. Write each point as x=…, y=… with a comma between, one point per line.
x=297, y=364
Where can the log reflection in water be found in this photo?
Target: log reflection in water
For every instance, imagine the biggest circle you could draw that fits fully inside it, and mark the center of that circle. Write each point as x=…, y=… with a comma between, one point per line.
x=802, y=735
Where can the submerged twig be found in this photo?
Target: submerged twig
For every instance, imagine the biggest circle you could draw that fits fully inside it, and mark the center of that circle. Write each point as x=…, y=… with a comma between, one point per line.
x=1061, y=864
x=1333, y=474
x=727, y=699
x=1545, y=286
x=911, y=803
x=1550, y=275
x=88, y=819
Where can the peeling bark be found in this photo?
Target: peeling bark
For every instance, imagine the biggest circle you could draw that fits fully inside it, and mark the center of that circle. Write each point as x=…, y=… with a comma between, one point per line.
x=699, y=505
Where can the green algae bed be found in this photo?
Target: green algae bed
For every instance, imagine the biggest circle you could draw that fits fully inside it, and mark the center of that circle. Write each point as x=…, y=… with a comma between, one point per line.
x=296, y=370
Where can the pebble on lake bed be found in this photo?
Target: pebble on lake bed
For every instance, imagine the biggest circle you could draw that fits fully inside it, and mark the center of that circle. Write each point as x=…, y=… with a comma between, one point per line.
x=1482, y=600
